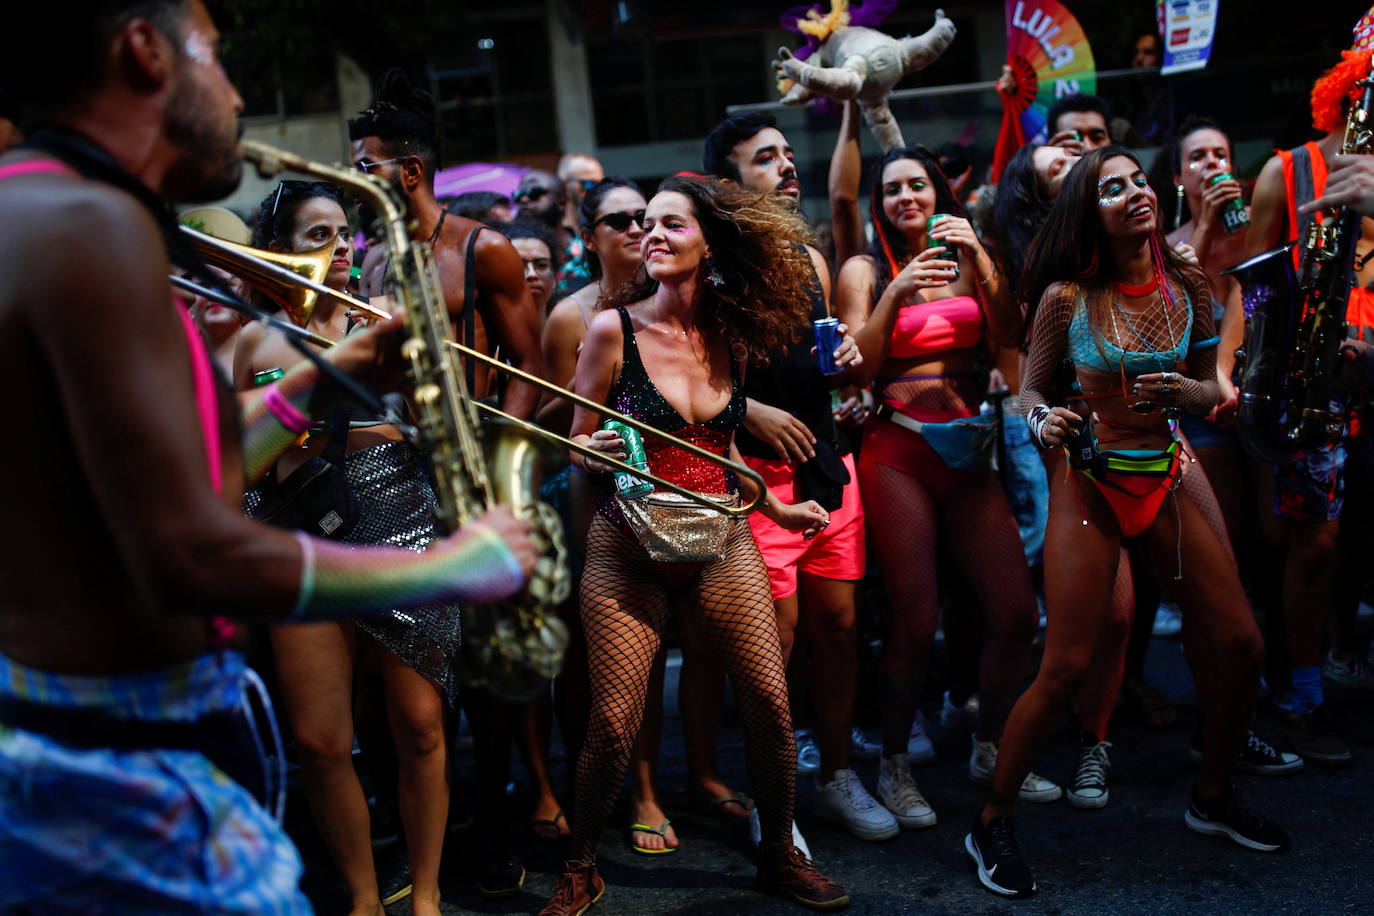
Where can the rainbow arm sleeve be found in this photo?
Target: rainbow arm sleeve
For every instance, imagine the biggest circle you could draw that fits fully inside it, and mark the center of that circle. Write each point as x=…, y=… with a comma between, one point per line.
x=339, y=580
x=264, y=436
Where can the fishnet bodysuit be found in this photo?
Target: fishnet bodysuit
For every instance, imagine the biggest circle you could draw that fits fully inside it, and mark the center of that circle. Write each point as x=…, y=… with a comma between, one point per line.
x=624, y=607
x=1135, y=344
x=1154, y=341
x=624, y=604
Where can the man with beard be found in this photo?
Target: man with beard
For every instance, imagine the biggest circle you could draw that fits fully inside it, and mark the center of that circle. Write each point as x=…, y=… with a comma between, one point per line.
x=131, y=775
x=790, y=438
x=543, y=201
x=482, y=277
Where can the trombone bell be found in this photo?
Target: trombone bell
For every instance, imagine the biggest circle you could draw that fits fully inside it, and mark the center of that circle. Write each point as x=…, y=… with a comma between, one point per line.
x=296, y=301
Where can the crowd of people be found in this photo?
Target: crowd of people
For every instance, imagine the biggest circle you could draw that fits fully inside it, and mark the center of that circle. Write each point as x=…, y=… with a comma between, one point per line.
x=1024, y=414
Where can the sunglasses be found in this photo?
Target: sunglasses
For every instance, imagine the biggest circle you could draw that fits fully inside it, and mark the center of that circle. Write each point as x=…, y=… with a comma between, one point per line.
x=589, y=183
x=530, y=195
x=619, y=220
x=366, y=166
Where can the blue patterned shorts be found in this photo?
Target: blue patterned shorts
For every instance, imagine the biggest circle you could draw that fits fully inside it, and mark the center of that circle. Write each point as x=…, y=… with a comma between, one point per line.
x=135, y=831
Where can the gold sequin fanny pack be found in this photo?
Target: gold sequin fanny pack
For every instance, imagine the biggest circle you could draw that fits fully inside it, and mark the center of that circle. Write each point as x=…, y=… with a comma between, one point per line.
x=675, y=529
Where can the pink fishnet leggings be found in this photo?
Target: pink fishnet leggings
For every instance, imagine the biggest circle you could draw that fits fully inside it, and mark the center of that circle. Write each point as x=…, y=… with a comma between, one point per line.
x=624, y=607
x=904, y=521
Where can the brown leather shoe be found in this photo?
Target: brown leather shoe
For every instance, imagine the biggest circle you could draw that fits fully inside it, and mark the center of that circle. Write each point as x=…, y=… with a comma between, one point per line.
x=577, y=890
x=785, y=870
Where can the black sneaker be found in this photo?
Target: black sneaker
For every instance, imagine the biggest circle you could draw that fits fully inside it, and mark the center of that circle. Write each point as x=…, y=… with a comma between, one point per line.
x=992, y=847
x=1232, y=817
x=499, y=873
x=1260, y=758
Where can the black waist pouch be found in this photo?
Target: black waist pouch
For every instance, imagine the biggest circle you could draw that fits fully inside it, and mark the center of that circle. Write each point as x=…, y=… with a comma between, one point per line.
x=315, y=497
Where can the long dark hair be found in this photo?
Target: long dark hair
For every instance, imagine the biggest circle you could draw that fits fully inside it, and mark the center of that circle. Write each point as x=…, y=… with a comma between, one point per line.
x=758, y=246
x=889, y=250
x=1169, y=162
x=1019, y=208
x=1069, y=248
x=586, y=213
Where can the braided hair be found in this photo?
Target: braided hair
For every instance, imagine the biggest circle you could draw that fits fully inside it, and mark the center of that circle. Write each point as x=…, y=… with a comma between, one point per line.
x=406, y=120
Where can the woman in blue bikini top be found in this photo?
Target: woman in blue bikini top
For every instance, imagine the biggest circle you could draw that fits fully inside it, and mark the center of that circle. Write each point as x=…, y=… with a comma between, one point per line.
x=1121, y=305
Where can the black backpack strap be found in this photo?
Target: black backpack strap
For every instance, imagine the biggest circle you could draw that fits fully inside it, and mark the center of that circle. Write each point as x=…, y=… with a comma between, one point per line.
x=470, y=304
x=337, y=428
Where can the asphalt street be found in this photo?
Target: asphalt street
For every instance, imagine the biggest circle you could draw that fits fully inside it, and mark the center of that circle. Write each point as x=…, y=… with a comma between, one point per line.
x=1134, y=856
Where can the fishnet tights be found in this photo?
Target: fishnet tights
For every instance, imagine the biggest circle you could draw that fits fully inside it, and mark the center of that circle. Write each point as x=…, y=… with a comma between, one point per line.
x=904, y=522
x=624, y=597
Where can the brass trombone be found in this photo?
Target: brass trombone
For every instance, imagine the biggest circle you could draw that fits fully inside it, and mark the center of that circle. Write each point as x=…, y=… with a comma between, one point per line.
x=293, y=281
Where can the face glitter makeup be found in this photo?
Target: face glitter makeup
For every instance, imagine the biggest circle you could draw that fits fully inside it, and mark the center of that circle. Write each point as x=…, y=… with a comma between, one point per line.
x=197, y=48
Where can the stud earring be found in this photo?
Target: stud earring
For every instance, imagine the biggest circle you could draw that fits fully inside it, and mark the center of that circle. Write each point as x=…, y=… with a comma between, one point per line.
x=713, y=275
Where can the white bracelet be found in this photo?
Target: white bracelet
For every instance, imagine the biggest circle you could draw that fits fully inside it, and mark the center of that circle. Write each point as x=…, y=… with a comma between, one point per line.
x=1036, y=419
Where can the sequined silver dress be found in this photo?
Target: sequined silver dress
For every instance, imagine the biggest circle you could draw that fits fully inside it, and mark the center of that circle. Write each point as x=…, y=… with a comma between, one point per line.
x=396, y=506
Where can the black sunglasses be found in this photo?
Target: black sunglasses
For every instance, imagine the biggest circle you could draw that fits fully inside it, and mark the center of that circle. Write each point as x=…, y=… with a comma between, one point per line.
x=619, y=220
x=530, y=195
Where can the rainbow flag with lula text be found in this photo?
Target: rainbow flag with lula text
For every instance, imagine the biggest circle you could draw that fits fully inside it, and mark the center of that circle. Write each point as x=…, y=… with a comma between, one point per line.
x=1049, y=57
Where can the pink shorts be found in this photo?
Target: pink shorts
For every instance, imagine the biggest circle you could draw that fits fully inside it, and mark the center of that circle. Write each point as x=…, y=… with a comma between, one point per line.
x=835, y=553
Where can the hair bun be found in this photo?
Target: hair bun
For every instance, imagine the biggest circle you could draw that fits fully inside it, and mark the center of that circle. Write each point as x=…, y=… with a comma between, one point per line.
x=396, y=89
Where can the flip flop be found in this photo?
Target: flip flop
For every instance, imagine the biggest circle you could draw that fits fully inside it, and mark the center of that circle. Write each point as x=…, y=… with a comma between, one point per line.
x=551, y=822
x=645, y=828
x=715, y=807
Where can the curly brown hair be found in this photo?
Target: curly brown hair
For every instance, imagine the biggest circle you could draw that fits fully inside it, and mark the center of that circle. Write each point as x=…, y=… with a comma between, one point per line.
x=758, y=247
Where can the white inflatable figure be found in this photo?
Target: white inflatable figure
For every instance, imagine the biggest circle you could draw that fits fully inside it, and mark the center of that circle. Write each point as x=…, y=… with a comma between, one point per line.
x=860, y=64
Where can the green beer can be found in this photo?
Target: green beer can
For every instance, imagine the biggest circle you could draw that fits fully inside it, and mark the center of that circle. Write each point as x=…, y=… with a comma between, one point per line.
x=951, y=252
x=1233, y=215
x=626, y=484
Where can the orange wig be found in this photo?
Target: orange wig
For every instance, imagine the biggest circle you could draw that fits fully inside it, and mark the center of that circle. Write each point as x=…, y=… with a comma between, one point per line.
x=1336, y=88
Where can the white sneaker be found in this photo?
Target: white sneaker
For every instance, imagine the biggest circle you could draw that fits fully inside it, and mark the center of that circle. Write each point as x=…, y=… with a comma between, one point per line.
x=962, y=718
x=862, y=746
x=898, y=793
x=983, y=761
x=1089, y=788
x=756, y=833
x=846, y=802
x=808, y=754
x=918, y=746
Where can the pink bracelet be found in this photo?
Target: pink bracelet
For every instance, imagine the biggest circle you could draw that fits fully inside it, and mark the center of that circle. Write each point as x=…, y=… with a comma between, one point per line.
x=285, y=412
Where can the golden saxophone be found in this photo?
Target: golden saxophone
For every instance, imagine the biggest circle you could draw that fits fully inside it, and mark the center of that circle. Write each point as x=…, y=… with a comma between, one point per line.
x=1295, y=324
x=514, y=647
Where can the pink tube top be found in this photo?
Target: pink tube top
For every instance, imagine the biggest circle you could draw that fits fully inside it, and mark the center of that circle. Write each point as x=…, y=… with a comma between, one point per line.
x=932, y=327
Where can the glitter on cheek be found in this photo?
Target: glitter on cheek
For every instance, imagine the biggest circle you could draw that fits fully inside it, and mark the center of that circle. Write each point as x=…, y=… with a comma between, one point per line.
x=198, y=49
x=1110, y=200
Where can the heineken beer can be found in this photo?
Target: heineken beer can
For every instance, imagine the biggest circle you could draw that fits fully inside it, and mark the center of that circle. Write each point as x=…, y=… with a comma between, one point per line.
x=1233, y=215
x=627, y=484
x=951, y=252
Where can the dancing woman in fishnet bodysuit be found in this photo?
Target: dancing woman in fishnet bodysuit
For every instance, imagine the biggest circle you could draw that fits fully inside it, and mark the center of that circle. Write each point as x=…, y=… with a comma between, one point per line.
x=1134, y=317
x=724, y=281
